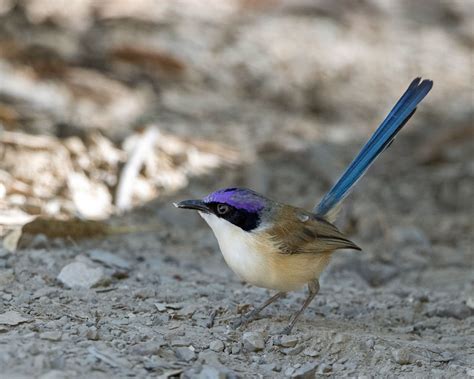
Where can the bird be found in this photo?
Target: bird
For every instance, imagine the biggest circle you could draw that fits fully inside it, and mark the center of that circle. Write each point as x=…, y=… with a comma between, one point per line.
x=281, y=247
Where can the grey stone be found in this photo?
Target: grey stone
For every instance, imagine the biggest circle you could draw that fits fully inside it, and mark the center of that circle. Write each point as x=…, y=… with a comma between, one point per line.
x=253, y=341
x=470, y=302
x=145, y=293
x=6, y=277
x=51, y=336
x=402, y=356
x=92, y=334
x=456, y=310
x=210, y=372
x=185, y=354
x=209, y=357
x=293, y=350
x=311, y=352
x=79, y=275
x=324, y=368
x=108, y=356
x=180, y=342
x=307, y=371
x=41, y=362
x=45, y=291
x=12, y=318
x=217, y=345
x=39, y=241
x=445, y=356
x=109, y=259
x=54, y=374
x=286, y=341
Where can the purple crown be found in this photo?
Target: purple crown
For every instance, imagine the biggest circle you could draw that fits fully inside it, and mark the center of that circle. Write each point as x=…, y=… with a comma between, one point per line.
x=240, y=198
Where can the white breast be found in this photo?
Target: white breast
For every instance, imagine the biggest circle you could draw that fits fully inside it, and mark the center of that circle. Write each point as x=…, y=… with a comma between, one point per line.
x=239, y=251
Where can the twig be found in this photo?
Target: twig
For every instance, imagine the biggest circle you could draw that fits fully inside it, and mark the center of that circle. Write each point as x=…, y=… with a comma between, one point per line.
x=131, y=169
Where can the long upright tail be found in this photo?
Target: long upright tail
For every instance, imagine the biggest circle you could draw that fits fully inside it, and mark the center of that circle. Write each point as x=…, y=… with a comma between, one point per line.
x=380, y=140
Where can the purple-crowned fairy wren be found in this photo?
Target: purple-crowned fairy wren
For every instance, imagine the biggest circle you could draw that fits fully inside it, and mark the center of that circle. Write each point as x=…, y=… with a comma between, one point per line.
x=281, y=247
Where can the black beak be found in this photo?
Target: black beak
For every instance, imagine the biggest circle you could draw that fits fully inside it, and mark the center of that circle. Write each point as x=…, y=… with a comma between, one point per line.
x=197, y=205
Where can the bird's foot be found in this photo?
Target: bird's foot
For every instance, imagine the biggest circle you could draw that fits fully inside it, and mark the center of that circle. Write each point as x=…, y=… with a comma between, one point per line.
x=243, y=320
x=238, y=322
x=286, y=330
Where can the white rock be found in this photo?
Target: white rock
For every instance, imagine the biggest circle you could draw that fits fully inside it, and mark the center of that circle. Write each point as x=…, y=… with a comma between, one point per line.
x=79, y=275
x=253, y=341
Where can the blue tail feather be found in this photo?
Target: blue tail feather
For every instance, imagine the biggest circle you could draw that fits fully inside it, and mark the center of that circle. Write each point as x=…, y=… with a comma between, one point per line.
x=380, y=140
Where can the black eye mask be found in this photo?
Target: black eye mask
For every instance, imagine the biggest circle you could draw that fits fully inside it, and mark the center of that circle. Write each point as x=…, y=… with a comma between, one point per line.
x=242, y=218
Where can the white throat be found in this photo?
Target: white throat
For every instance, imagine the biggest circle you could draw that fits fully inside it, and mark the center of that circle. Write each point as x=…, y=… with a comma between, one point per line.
x=238, y=248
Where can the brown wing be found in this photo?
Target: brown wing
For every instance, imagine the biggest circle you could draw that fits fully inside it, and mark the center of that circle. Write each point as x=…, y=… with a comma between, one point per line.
x=304, y=232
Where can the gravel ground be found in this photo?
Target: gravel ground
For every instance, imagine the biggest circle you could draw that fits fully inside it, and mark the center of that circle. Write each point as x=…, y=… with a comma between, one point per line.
x=159, y=304
x=162, y=302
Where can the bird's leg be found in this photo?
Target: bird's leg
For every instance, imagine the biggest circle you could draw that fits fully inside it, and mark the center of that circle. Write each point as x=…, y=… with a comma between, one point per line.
x=313, y=290
x=244, y=320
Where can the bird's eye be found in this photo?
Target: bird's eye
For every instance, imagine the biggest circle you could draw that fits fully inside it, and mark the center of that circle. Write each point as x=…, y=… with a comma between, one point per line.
x=222, y=209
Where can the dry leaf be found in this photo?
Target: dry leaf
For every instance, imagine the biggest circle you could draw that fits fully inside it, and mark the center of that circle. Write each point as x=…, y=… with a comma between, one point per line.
x=74, y=228
x=77, y=229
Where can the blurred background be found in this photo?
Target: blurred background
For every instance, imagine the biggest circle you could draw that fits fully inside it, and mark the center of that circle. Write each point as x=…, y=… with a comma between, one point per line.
x=234, y=82
x=111, y=110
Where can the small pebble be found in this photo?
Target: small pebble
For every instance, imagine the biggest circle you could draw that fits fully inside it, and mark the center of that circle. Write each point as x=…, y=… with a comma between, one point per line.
x=217, y=345
x=253, y=341
x=79, y=275
x=402, y=356
x=445, y=356
x=51, y=336
x=307, y=371
x=324, y=368
x=55, y=374
x=209, y=357
x=185, y=354
x=179, y=342
x=210, y=372
x=286, y=341
x=92, y=334
x=370, y=343
x=109, y=259
x=293, y=350
x=289, y=371
x=311, y=352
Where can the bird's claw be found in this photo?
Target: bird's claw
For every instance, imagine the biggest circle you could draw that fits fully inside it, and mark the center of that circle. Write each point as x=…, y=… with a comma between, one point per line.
x=238, y=322
x=243, y=320
x=286, y=330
